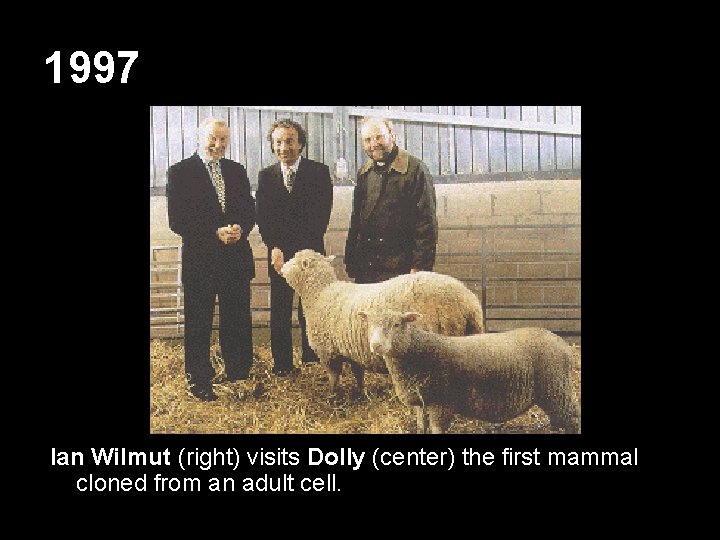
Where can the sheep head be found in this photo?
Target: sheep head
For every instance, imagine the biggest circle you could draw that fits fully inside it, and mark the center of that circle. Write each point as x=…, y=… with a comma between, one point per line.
x=386, y=330
x=308, y=267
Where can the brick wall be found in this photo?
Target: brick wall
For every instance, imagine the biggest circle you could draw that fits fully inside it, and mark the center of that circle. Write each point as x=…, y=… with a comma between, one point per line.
x=468, y=216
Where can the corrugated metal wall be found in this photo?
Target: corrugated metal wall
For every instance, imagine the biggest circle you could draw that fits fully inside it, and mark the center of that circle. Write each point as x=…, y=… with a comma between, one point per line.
x=446, y=149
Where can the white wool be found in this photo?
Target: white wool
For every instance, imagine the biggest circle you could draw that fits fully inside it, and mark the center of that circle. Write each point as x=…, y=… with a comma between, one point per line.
x=492, y=377
x=331, y=308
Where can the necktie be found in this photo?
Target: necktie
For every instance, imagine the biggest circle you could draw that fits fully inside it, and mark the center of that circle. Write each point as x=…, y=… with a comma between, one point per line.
x=218, y=182
x=290, y=180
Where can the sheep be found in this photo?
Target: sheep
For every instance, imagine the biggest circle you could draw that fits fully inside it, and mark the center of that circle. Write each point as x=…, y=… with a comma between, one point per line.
x=331, y=305
x=491, y=377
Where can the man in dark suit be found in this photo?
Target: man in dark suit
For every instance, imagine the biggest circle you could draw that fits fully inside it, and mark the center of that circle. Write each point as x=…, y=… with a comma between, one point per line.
x=393, y=225
x=210, y=205
x=294, y=201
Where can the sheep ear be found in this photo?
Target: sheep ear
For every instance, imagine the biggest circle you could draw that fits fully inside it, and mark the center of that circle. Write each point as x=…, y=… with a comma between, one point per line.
x=410, y=316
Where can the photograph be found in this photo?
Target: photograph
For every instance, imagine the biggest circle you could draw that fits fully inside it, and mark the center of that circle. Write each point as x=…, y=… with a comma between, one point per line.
x=365, y=269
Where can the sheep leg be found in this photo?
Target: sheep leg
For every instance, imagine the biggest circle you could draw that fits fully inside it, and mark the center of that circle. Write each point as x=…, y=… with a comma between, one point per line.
x=565, y=415
x=421, y=419
x=439, y=418
x=359, y=373
x=556, y=397
x=334, y=369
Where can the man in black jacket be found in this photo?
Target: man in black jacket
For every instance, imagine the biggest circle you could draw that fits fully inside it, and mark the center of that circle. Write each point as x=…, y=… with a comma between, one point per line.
x=294, y=201
x=393, y=226
x=210, y=205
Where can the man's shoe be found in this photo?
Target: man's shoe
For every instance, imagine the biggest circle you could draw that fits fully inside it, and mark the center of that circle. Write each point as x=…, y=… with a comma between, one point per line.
x=284, y=372
x=240, y=377
x=204, y=394
x=310, y=359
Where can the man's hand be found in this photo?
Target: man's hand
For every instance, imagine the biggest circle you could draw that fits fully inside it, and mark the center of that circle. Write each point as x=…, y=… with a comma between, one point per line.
x=277, y=259
x=235, y=232
x=229, y=234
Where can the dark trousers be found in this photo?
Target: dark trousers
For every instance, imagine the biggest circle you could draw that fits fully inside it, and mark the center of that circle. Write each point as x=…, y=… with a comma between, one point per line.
x=281, y=306
x=233, y=293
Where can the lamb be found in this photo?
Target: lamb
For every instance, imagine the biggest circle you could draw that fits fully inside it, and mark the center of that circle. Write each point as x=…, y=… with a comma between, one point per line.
x=331, y=306
x=491, y=377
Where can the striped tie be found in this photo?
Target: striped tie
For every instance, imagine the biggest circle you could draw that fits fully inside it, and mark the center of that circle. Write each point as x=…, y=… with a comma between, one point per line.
x=218, y=182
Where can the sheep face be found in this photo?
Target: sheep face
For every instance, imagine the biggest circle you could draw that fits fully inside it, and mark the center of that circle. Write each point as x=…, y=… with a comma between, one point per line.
x=290, y=271
x=304, y=261
x=386, y=330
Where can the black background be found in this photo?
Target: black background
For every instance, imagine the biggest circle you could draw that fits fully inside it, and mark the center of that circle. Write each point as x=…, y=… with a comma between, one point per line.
x=83, y=360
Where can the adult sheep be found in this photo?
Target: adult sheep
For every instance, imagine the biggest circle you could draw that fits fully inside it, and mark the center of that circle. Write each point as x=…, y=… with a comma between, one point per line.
x=331, y=306
x=491, y=377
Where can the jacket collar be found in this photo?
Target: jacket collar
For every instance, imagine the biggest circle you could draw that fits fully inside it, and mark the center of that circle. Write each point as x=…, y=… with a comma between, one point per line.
x=400, y=163
x=279, y=179
x=205, y=161
x=295, y=166
x=201, y=165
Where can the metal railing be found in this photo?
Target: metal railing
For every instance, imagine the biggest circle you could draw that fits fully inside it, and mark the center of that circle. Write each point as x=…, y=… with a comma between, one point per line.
x=171, y=317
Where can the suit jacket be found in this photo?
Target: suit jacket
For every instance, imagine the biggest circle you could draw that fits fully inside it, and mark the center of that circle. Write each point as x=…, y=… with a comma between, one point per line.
x=194, y=212
x=297, y=220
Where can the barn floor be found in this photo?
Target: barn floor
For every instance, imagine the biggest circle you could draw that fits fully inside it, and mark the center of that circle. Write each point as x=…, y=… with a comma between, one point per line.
x=297, y=404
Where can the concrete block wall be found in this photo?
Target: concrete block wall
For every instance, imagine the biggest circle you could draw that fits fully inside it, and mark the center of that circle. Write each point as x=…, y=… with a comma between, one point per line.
x=468, y=215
